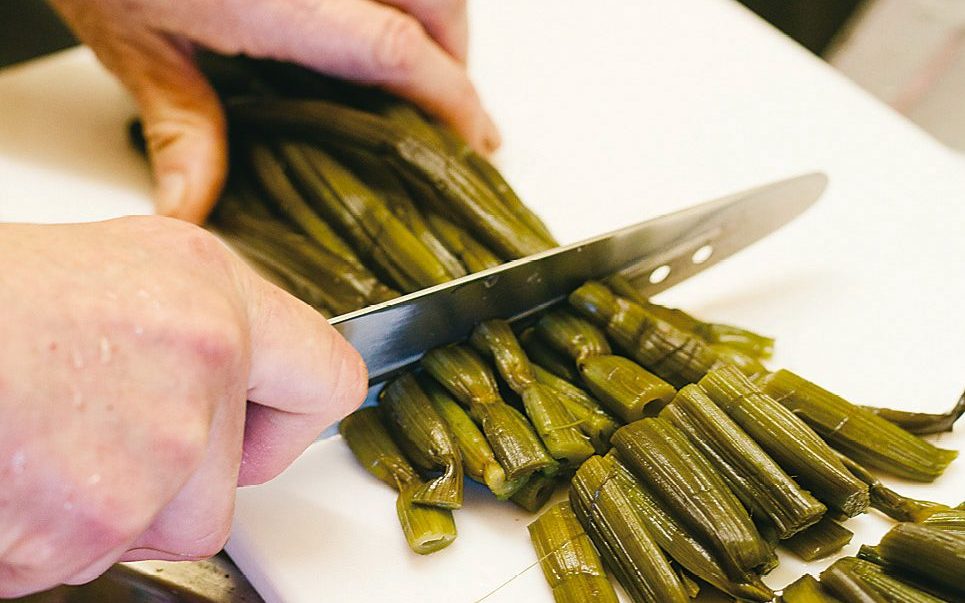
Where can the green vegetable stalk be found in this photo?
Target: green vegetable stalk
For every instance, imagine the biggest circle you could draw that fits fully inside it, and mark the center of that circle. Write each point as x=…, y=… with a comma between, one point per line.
x=624, y=387
x=668, y=464
x=478, y=459
x=622, y=538
x=752, y=475
x=788, y=440
x=568, y=559
x=408, y=409
x=427, y=529
x=859, y=433
x=516, y=445
x=555, y=424
x=676, y=356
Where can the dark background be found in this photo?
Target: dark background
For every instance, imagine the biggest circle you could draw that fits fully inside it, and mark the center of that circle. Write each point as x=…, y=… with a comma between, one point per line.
x=29, y=28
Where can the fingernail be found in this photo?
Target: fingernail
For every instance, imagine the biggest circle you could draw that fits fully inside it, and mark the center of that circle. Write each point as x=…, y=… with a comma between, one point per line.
x=170, y=192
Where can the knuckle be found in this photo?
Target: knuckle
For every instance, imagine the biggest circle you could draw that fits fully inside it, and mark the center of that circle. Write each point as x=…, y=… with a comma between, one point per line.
x=397, y=46
x=183, y=440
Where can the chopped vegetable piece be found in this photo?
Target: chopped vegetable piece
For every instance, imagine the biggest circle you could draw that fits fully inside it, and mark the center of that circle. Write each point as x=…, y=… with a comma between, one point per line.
x=426, y=529
x=935, y=556
x=571, y=335
x=952, y=520
x=788, y=440
x=517, y=446
x=595, y=422
x=843, y=582
x=416, y=421
x=568, y=559
x=478, y=459
x=674, y=355
x=555, y=424
x=621, y=536
x=806, y=590
x=548, y=358
x=751, y=474
x=536, y=492
x=676, y=540
x=748, y=365
x=922, y=423
x=857, y=432
x=736, y=338
x=889, y=587
x=886, y=500
x=625, y=388
x=820, y=540
x=668, y=464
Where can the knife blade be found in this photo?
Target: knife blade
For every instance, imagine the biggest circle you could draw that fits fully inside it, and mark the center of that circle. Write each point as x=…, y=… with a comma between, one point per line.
x=654, y=255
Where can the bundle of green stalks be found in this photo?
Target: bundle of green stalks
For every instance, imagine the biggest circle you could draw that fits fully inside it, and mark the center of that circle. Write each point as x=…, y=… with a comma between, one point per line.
x=377, y=198
x=686, y=462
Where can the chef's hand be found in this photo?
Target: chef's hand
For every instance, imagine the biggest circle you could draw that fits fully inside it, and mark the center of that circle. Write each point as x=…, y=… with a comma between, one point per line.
x=415, y=48
x=129, y=350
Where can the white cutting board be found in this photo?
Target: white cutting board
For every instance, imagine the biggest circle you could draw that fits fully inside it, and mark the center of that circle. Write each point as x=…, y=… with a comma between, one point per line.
x=612, y=113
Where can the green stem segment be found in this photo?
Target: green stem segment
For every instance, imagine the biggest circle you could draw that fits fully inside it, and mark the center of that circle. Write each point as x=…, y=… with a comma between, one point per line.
x=419, y=425
x=760, y=483
x=747, y=342
x=555, y=424
x=879, y=582
x=922, y=423
x=676, y=540
x=886, y=500
x=624, y=387
x=806, y=590
x=669, y=465
x=426, y=529
x=788, y=440
x=933, y=555
x=859, y=433
x=374, y=230
x=952, y=520
x=478, y=459
x=517, y=446
x=820, y=540
x=545, y=356
x=595, y=422
x=568, y=559
x=843, y=582
x=676, y=356
x=622, y=538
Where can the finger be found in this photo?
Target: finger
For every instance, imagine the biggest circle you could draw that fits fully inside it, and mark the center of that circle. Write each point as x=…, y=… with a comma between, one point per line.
x=184, y=124
x=363, y=41
x=304, y=376
x=444, y=20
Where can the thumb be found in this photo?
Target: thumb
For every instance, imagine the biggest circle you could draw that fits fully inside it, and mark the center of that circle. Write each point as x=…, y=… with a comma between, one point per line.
x=184, y=127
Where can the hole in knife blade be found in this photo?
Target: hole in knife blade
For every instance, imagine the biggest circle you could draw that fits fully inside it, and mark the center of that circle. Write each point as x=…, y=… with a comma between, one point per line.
x=660, y=274
x=702, y=255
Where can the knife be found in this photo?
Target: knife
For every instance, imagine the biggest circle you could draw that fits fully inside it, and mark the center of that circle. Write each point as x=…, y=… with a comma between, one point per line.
x=654, y=255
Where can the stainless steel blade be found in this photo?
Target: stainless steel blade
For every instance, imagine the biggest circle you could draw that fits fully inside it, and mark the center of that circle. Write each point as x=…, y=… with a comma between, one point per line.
x=655, y=255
